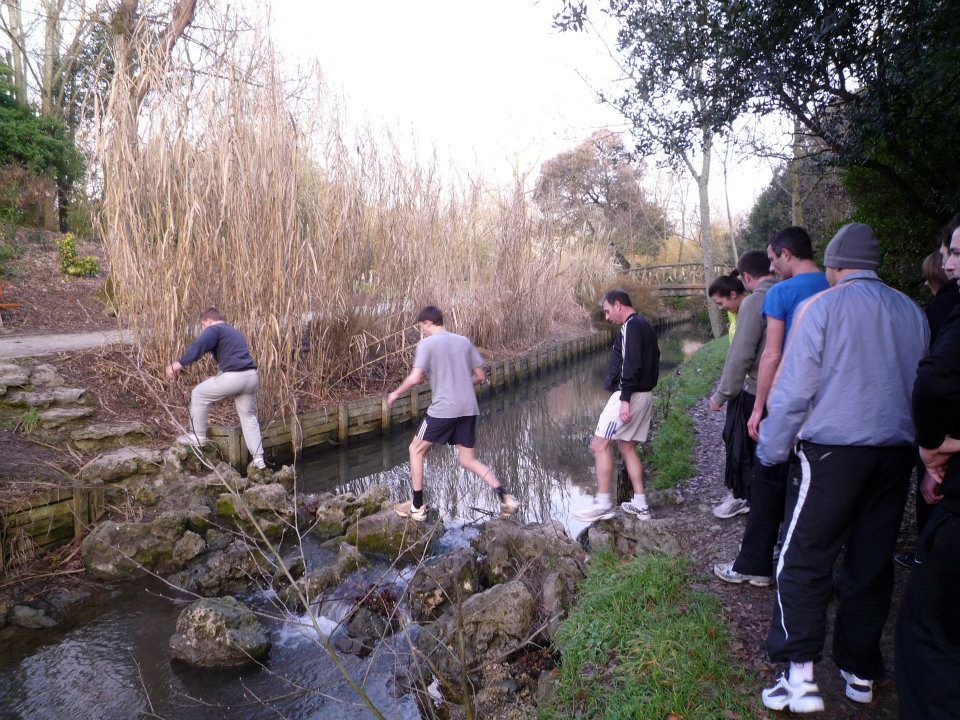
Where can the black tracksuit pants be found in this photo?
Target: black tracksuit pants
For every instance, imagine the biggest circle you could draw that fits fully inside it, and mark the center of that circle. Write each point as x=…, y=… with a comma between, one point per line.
x=928, y=632
x=839, y=496
x=740, y=447
x=768, y=493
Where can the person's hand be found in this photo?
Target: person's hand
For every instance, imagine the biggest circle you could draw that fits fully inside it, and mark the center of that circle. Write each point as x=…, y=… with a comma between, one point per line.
x=392, y=398
x=753, y=425
x=714, y=406
x=173, y=368
x=930, y=489
x=624, y=412
x=936, y=460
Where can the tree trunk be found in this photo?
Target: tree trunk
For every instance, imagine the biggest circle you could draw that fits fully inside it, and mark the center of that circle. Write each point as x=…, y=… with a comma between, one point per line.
x=706, y=233
x=726, y=195
x=51, y=58
x=796, y=197
x=19, y=62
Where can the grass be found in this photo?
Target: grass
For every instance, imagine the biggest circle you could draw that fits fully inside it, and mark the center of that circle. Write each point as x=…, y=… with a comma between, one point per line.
x=669, y=458
x=641, y=644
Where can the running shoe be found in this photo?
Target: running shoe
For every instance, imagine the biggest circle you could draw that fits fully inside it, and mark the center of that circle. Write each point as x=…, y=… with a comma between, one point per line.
x=508, y=506
x=259, y=463
x=192, y=440
x=857, y=689
x=595, y=512
x=641, y=513
x=803, y=697
x=730, y=507
x=725, y=572
x=407, y=510
x=907, y=560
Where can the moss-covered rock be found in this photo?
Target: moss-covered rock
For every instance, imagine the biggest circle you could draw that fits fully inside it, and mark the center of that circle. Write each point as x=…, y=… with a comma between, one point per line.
x=219, y=632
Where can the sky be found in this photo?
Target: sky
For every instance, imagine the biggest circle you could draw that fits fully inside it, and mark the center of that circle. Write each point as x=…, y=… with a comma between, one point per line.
x=491, y=86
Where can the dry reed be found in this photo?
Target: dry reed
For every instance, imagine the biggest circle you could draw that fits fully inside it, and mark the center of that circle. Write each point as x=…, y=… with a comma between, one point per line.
x=318, y=243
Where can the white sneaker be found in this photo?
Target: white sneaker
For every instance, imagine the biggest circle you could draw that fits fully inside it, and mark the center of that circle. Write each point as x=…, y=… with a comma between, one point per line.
x=731, y=506
x=192, y=440
x=407, y=510
x=801, y=698
x=857, y=689
x=259, y=463
x=725, y=572
x=595, y=512
x=641, y=513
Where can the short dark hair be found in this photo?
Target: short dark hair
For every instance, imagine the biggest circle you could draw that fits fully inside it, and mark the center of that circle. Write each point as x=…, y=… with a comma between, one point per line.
x=726, y=285
x=947, y=232
x=211, y=313
x=795, y=239
x=616, y=296
x=754, y=262
x=431, y=313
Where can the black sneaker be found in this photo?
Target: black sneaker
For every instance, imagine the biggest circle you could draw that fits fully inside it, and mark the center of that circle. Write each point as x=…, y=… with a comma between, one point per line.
x=907, y=560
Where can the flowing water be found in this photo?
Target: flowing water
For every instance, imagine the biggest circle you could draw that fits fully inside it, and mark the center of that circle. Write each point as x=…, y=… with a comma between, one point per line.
x=109, y=659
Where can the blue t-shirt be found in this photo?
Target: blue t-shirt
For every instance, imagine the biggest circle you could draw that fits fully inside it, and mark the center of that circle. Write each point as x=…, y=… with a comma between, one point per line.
x=785, y=298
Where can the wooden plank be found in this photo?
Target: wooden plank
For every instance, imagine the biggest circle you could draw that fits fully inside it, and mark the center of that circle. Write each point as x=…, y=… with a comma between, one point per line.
x=342, y=422
x=54, y=535
x=384, y=415
x=26, y=518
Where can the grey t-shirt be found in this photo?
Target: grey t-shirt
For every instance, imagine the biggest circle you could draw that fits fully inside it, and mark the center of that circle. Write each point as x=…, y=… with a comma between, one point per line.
x=449, y=360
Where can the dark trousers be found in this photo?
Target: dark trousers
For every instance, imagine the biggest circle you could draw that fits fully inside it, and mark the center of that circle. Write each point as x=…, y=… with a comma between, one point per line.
x=768, y=491
x=839, y=496
x=740, y=447
x=924, y=510
x=928, y=632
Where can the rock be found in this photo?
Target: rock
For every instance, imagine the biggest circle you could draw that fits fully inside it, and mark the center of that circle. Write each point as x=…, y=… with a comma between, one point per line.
x=219, y=632
x=294, y=566
x=58, y=417
x=145, y=495
x=258, y=476
x=669, y=497
x=30, y=618
x=317, y=580
x=546, y=688
x=12, y=376
x=121, y=464
x=271, y=497
x=45, y=398
x=45, y=376
x=509, y=550
x=230, y=566
x=556, y=597
x=113, y=551
x=626, y=535
x=285, y=476
x=188, y=547
x=494, y=624
x=434, y=587
x=388, y=535
x=60, y=599
x=106, y=435
x=334, y=512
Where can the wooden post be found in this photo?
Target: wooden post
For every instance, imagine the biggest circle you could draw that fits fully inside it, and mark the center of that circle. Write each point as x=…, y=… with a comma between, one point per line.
x=414, y=410
x=237, y=453
x=384, y=416
x=80, y=507
x=342, y=420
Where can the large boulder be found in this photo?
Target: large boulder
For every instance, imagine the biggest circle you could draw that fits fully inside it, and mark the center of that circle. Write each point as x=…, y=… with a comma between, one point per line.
x=219, y=632
x=267, y=507
x=120, y=464
x=509, y=550
x=106, y=435
x=228, y=566
x=334, y=513
x=627, y=535
x=115, y=551
x=440, y=581
x=388, y=535
x=490, y=625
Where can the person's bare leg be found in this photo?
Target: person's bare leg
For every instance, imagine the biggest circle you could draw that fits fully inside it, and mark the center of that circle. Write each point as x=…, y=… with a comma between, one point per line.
x=628, y=451
x=418, y=451
x=468, y=461
x=603, y=459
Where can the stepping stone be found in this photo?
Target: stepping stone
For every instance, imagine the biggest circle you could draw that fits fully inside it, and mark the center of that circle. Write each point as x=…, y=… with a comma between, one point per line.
x=58, y=417
x=45, y=376
x=106, y=435
x=46, y=398
x=121, y=464
x=12, y=376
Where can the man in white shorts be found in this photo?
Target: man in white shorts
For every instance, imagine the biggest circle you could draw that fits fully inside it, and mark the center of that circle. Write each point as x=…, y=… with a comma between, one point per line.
x=634, y=367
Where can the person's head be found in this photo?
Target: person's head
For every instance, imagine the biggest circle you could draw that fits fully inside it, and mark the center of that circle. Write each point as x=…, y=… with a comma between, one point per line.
x=727, y=291
x=754, y=266
x=617, y=306
x=932, y=271
x=946, y=233
x=430, y=319
x=854, y=247
x=951, y=266
x=787, y=249
x=209, y=317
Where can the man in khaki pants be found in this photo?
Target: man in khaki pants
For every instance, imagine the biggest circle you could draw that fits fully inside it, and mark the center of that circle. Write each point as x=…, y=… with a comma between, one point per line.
x=237, y=379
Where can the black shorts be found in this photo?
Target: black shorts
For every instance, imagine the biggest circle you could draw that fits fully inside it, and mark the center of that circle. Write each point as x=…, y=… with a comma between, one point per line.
x=452, y=431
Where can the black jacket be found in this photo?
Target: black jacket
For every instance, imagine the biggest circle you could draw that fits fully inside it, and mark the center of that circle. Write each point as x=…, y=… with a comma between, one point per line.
x=634, y=359
x=936, y=401
x=940, y=307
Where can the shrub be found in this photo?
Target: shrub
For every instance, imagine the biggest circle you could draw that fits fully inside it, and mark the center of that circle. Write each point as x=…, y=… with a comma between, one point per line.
x=73, y=264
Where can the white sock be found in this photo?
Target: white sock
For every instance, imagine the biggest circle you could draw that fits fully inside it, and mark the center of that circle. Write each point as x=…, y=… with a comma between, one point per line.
x=640, y=500
x=801, y=672
x=603, y=499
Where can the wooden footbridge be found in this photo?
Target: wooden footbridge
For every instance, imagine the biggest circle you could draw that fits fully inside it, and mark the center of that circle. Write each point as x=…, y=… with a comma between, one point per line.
x=681, y=280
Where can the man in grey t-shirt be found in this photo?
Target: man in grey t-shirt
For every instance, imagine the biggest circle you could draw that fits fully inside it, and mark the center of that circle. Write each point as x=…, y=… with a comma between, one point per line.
x=454, y=367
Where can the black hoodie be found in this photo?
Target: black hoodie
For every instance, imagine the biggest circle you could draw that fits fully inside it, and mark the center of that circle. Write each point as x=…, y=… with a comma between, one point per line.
x=634, y=359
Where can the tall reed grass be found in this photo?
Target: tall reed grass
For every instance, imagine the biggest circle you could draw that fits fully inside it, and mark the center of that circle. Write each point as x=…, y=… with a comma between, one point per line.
x=320, y=244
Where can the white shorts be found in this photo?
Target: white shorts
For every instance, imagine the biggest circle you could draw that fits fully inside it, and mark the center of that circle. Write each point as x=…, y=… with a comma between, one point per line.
x=610, y=427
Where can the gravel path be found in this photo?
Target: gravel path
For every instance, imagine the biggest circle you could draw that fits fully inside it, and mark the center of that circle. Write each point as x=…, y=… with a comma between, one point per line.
x=749, y=609
x=36, y=345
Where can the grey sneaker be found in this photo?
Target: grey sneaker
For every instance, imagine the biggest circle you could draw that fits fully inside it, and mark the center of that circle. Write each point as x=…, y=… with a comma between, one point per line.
x=595, y=512
x=857, y=689
x=730, y=507
x=508, y=506
x=725, y=572
x=192, y=440
x=407, y=510
x=641, y=513
x=801, y=698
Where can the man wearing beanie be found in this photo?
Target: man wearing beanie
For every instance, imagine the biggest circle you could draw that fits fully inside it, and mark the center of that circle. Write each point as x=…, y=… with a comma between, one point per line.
x=842, y=399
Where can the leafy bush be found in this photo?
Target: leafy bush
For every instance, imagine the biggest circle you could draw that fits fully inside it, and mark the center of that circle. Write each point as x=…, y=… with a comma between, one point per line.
x=73, y=264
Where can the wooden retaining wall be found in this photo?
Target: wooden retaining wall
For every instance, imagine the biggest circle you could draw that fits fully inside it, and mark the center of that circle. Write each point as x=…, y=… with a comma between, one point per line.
x=339, y=424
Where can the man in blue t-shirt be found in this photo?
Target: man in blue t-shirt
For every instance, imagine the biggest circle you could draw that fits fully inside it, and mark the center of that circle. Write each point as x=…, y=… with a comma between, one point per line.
x=791, y=258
